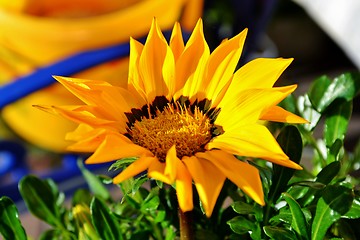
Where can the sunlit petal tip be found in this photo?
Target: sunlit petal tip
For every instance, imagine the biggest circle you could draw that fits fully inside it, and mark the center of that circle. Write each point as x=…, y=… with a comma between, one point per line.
x=242, y=35
x=199, y=27
x=278, y=114
x=294, y=165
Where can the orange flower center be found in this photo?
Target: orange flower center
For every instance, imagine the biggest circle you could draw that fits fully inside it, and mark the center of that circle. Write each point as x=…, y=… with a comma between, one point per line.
x=188, y=131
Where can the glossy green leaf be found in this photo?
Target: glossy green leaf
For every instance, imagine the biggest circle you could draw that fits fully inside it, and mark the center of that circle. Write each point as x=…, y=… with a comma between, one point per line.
x=278, y=233
x=291, y=143
x=94, y=183
x=132, y=202
x=122, y=163
x=289, y=103
x=242, y=225
x=150, y=204
x=298, y=222
x=334, y=151
x=337, y=121
x=104, y=221
x=242, y=207
x=335, y=202
x=328, y=173
x=346, y=86
x=354, y=211
x=39, y=198
x=283, y=216
x=325, y=176
x=318, y=89
x=308, y=112
x=138, y=182
x=310, y=184
x=160, y=216
x=10, y=225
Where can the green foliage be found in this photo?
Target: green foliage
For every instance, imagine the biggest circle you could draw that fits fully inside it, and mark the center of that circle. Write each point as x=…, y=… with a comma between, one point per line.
x=10, y=225
x=319, y=202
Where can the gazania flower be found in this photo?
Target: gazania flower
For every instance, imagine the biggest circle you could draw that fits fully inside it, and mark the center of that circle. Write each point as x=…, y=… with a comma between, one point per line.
x=185, y=115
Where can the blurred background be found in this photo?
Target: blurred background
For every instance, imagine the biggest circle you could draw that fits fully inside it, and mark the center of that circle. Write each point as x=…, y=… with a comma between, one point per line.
x=41, y=38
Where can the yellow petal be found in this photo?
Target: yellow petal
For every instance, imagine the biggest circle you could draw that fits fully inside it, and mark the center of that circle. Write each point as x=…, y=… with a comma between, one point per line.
x=171, y=162
x=245, y=176
x=156, y=171
x=176, y=41
x=85, y=114
x=222, y=63
x=114, y=147
x=278, y=114
x=252, y=141
x=87, y=140
x=208, y=181
x=184, y=188
x=247, y=106
x=154, y=54
x=99, y=93
x=134, y=169
x=135, y=83
x=259, y=73
x=165, y=172
x=191, y=65
x=82, y=131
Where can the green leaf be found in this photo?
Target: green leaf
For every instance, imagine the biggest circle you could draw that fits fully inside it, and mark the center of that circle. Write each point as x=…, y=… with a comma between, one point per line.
x=289, y=103
x=335, y=202
x=283, y=216
x=160, y=216
x=291, y=143
x=122, y=163
x=104, y=220
x=318, y=89
x=150, y=204
x=242, y=207
x=328, y=173
x=298, y=222
x=10, y=225
x=324, y=177
x=310, y=184
x=241, y=225
x=354, y=211
x=278, y=233
x=308, y=112
x=40, y=200
x=334, y=150
x=336, y=122
x=345, y=86
x=94, y=183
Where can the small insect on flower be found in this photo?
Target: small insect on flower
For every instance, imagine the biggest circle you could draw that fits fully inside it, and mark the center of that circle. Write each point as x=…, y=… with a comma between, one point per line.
x=185, y=115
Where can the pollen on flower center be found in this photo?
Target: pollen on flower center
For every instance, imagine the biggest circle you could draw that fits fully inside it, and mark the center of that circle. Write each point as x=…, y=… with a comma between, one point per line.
x=188, y=131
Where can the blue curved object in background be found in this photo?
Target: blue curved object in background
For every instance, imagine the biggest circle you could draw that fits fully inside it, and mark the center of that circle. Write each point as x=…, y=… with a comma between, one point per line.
x=41, y=78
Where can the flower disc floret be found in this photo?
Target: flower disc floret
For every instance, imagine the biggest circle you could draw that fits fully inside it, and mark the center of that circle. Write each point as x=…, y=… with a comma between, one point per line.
x=188, y=131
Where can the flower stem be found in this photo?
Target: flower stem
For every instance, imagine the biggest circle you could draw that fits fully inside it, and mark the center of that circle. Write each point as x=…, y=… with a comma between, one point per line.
x=185, y=221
